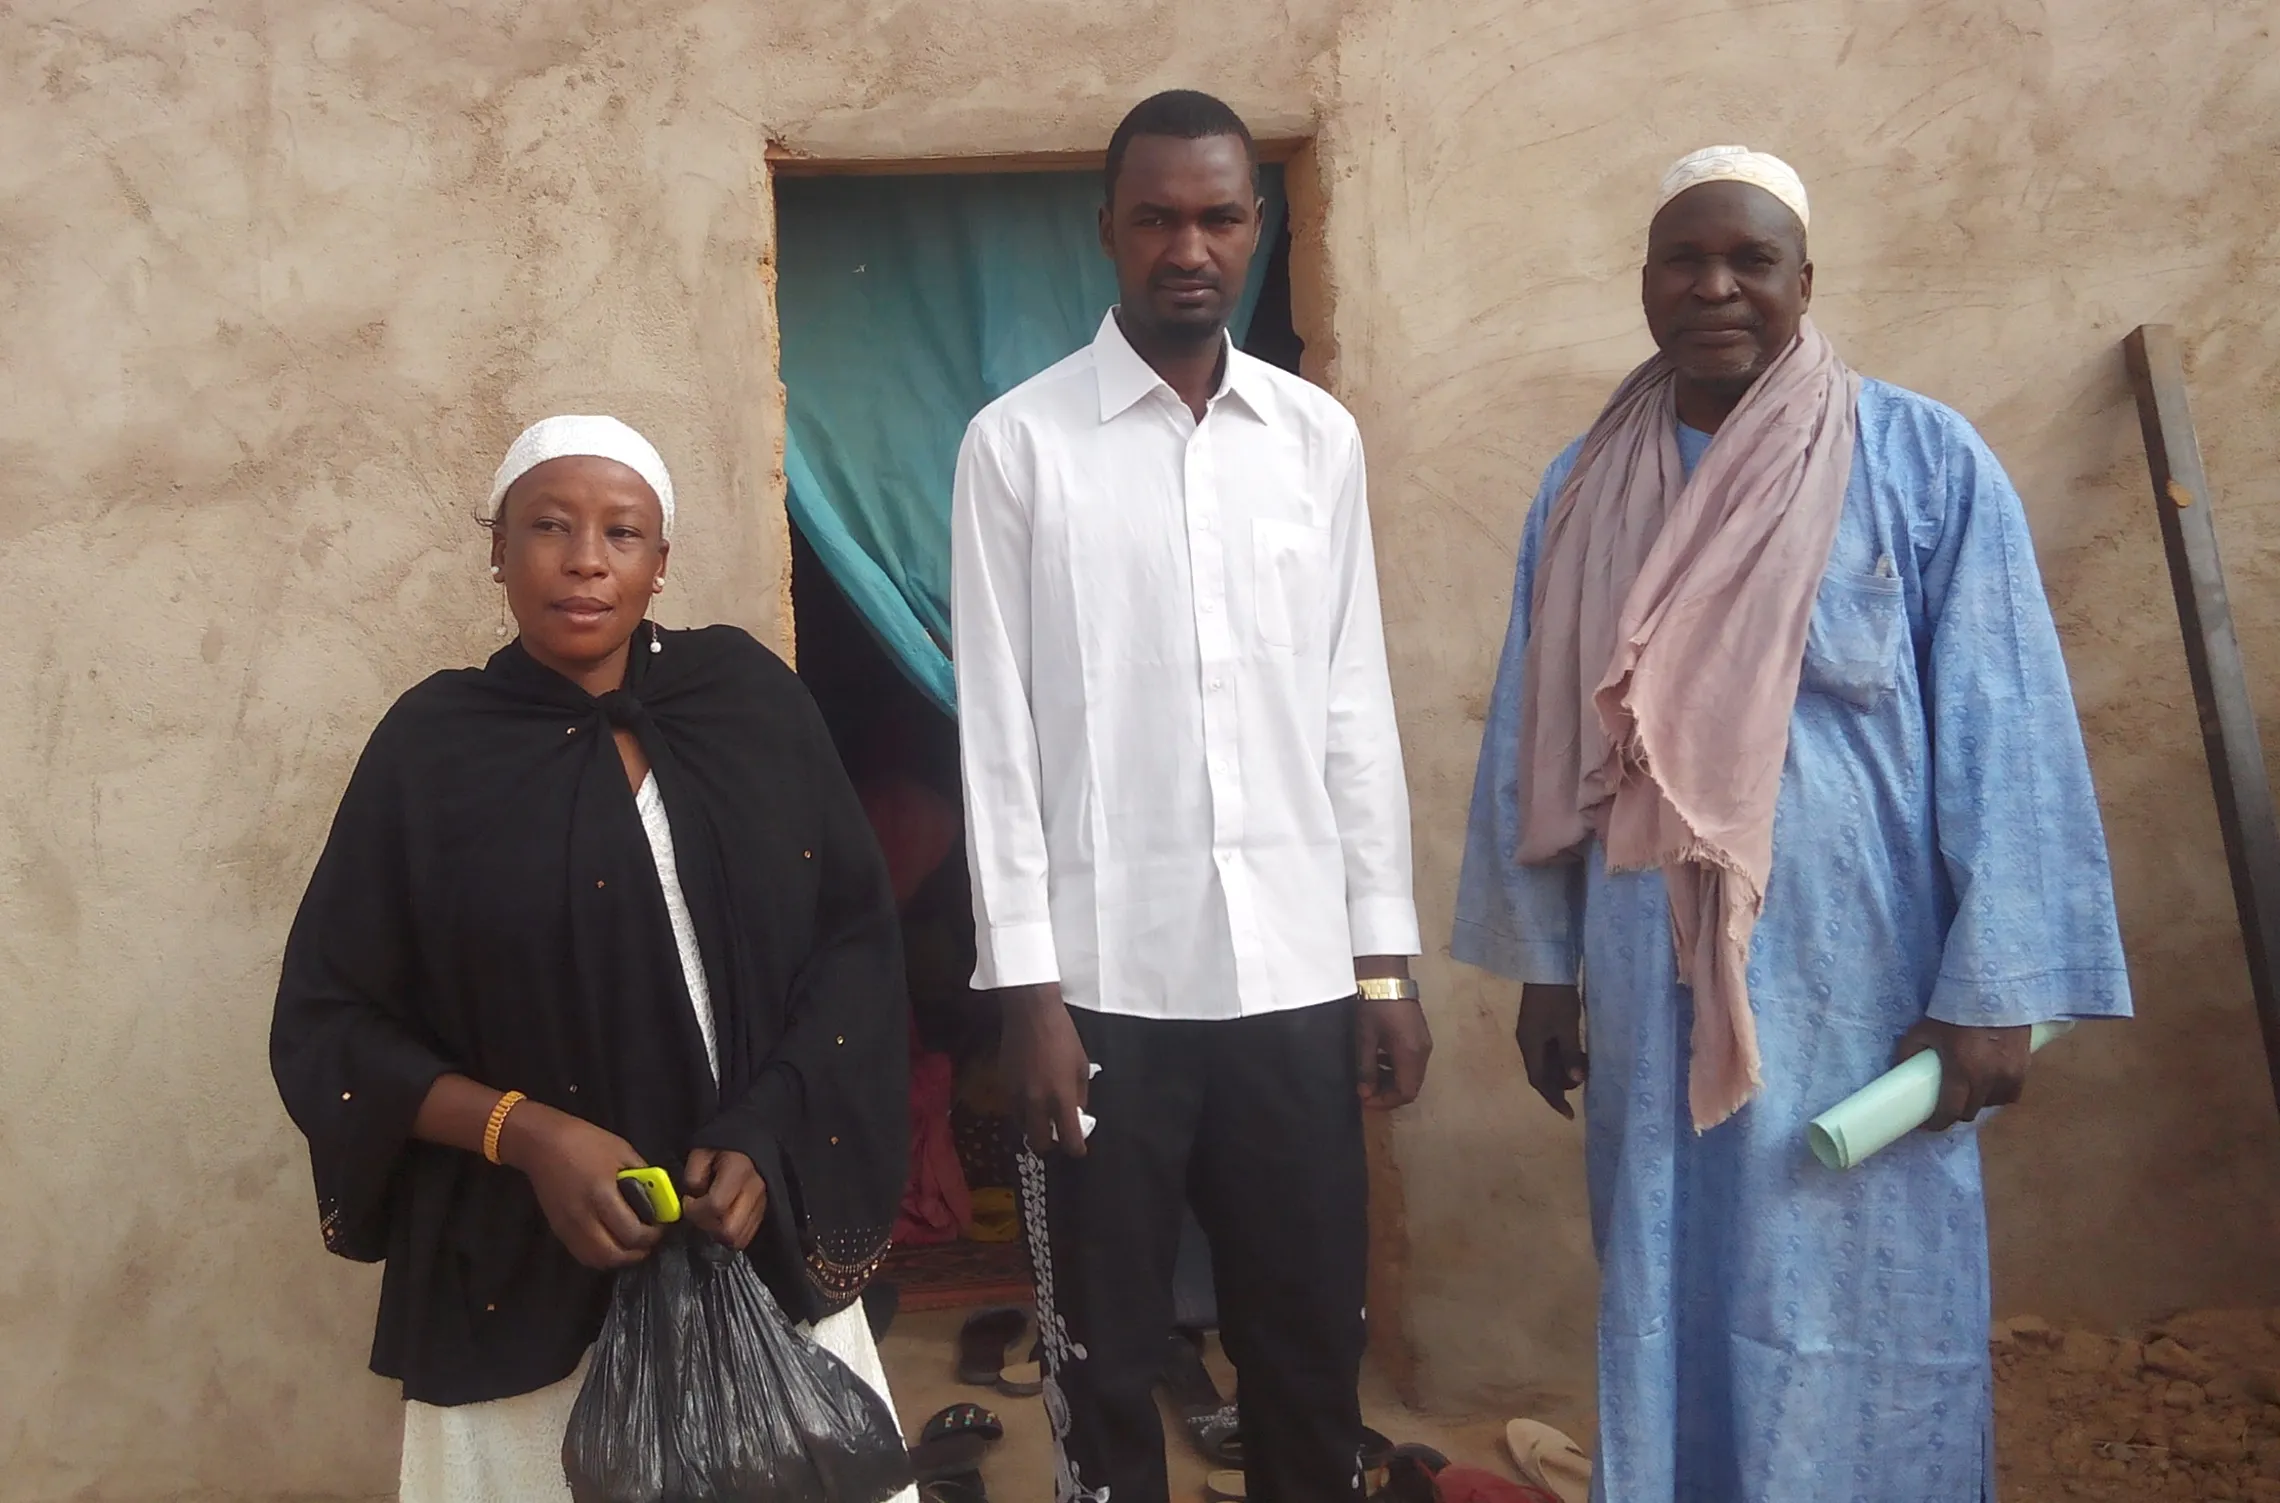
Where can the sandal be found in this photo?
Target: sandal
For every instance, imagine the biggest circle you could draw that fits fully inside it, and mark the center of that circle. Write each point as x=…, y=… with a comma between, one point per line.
x=1212, y=1423
x=984, y=1340
x=1548, y=1460
x=1218, y=1435
x=1409, y=1475
x=1024, y=1380
x=1376, y=1451
x=953, y=1442
x=965, y=1487
x=1225, y=1487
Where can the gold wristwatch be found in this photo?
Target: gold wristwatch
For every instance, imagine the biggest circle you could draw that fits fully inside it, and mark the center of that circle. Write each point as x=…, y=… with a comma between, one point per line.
x=1387, y=989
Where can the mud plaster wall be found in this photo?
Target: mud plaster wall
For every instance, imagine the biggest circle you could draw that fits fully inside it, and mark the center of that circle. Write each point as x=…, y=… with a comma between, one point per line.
x=280, y=280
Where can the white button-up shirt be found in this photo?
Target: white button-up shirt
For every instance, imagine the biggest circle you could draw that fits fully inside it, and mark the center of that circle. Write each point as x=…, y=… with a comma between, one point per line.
x=1184, y=792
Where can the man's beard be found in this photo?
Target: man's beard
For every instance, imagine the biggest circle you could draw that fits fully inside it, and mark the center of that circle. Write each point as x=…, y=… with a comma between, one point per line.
x=1188, y=333
x=1190, y=336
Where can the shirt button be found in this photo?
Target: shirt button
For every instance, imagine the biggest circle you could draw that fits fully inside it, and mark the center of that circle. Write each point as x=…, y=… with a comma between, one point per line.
x=601, y=884
x=1209, y=606
x=573, y=1090
x=348, y=1095
x=1215, y=683
x=842, y=1040
x=835, y=1142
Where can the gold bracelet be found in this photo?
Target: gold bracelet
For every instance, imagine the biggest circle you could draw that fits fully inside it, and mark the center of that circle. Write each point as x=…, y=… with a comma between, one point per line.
x=507, y=1103
x=1386, y=989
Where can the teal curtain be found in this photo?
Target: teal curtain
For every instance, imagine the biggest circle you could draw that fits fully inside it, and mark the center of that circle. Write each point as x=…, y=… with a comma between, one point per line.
x=906, y=305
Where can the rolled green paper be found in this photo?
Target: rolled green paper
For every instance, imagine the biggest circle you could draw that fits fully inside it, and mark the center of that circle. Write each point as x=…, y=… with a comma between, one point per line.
x=1891, y=1106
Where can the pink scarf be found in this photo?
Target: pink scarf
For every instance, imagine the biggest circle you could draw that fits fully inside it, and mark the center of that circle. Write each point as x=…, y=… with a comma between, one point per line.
x=1667, y=634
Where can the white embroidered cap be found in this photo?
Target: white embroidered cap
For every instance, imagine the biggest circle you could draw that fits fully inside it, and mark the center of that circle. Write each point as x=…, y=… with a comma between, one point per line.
x=597, y=437
x=1737, y=164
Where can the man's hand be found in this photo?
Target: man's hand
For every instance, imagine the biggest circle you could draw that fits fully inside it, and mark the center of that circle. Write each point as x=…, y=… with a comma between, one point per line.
x=1391, y=1039
x=1045, y=1068
x=727, y=1197
x=573, y=1165
x=1394, y=1041
x=1979, y=1067
x=1550, y=1035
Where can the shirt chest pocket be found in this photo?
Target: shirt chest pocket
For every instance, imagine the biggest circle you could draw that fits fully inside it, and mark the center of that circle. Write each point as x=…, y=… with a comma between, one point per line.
x=1852, y=647
x=1290, y=563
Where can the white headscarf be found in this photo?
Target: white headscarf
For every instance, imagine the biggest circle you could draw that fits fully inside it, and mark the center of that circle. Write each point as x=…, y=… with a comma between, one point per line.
x=595, y=437
x=1737, y=164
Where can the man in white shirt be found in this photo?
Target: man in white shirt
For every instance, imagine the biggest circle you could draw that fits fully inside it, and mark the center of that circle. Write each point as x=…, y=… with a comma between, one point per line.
x=1189, y=833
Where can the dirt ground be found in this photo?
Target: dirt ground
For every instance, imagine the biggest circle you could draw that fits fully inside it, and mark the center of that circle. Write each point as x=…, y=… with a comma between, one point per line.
x=2189, y=1410
x=919, y=1352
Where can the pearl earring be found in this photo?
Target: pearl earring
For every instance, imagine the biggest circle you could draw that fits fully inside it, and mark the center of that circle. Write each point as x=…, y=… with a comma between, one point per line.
x=654, y=644
x=497, y=574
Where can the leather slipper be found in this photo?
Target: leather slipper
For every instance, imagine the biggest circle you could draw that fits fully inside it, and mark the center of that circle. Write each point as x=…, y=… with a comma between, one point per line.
x=1548, y=1460
x=984, y=1340
x=962, y=1419
x=954, y=1442
x=1023, y=1380
x=965, y=1487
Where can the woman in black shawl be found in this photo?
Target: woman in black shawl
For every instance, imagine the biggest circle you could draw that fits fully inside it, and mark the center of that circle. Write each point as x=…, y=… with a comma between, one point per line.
x=514, y=975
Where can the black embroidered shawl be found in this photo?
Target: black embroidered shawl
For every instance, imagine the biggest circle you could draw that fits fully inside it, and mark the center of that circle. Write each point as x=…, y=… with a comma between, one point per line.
x=488, y=904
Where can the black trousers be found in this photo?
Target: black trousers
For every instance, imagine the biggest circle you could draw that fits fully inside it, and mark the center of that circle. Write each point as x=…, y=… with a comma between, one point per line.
x=1256, y=1123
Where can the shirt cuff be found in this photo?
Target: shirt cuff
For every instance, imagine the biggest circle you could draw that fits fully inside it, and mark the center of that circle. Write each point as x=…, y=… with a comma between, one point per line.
x=2045, y=996
x=1015, y=955
x=1531, y=962
x=1383, y=926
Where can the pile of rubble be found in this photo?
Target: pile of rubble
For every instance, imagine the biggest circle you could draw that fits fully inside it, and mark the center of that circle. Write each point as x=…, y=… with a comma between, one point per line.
x=2187, y=1411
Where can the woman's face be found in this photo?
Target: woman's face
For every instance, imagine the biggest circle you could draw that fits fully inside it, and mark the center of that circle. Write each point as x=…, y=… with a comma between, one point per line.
x=580, y=545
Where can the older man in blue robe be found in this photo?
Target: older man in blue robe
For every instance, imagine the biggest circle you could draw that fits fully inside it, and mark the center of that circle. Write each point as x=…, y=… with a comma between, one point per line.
x=1782, y=781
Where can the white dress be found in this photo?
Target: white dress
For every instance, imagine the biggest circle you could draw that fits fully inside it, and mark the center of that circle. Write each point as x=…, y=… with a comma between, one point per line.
x=510, y=1450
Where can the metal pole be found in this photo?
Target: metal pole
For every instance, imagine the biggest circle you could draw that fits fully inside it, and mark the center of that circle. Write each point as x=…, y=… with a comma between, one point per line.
x=2212, y=653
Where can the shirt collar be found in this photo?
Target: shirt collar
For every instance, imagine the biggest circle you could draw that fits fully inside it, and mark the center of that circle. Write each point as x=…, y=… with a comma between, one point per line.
x=1125, y=378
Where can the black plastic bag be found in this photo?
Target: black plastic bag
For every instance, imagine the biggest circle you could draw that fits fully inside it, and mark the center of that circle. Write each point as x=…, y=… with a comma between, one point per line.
x=701, y=1392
